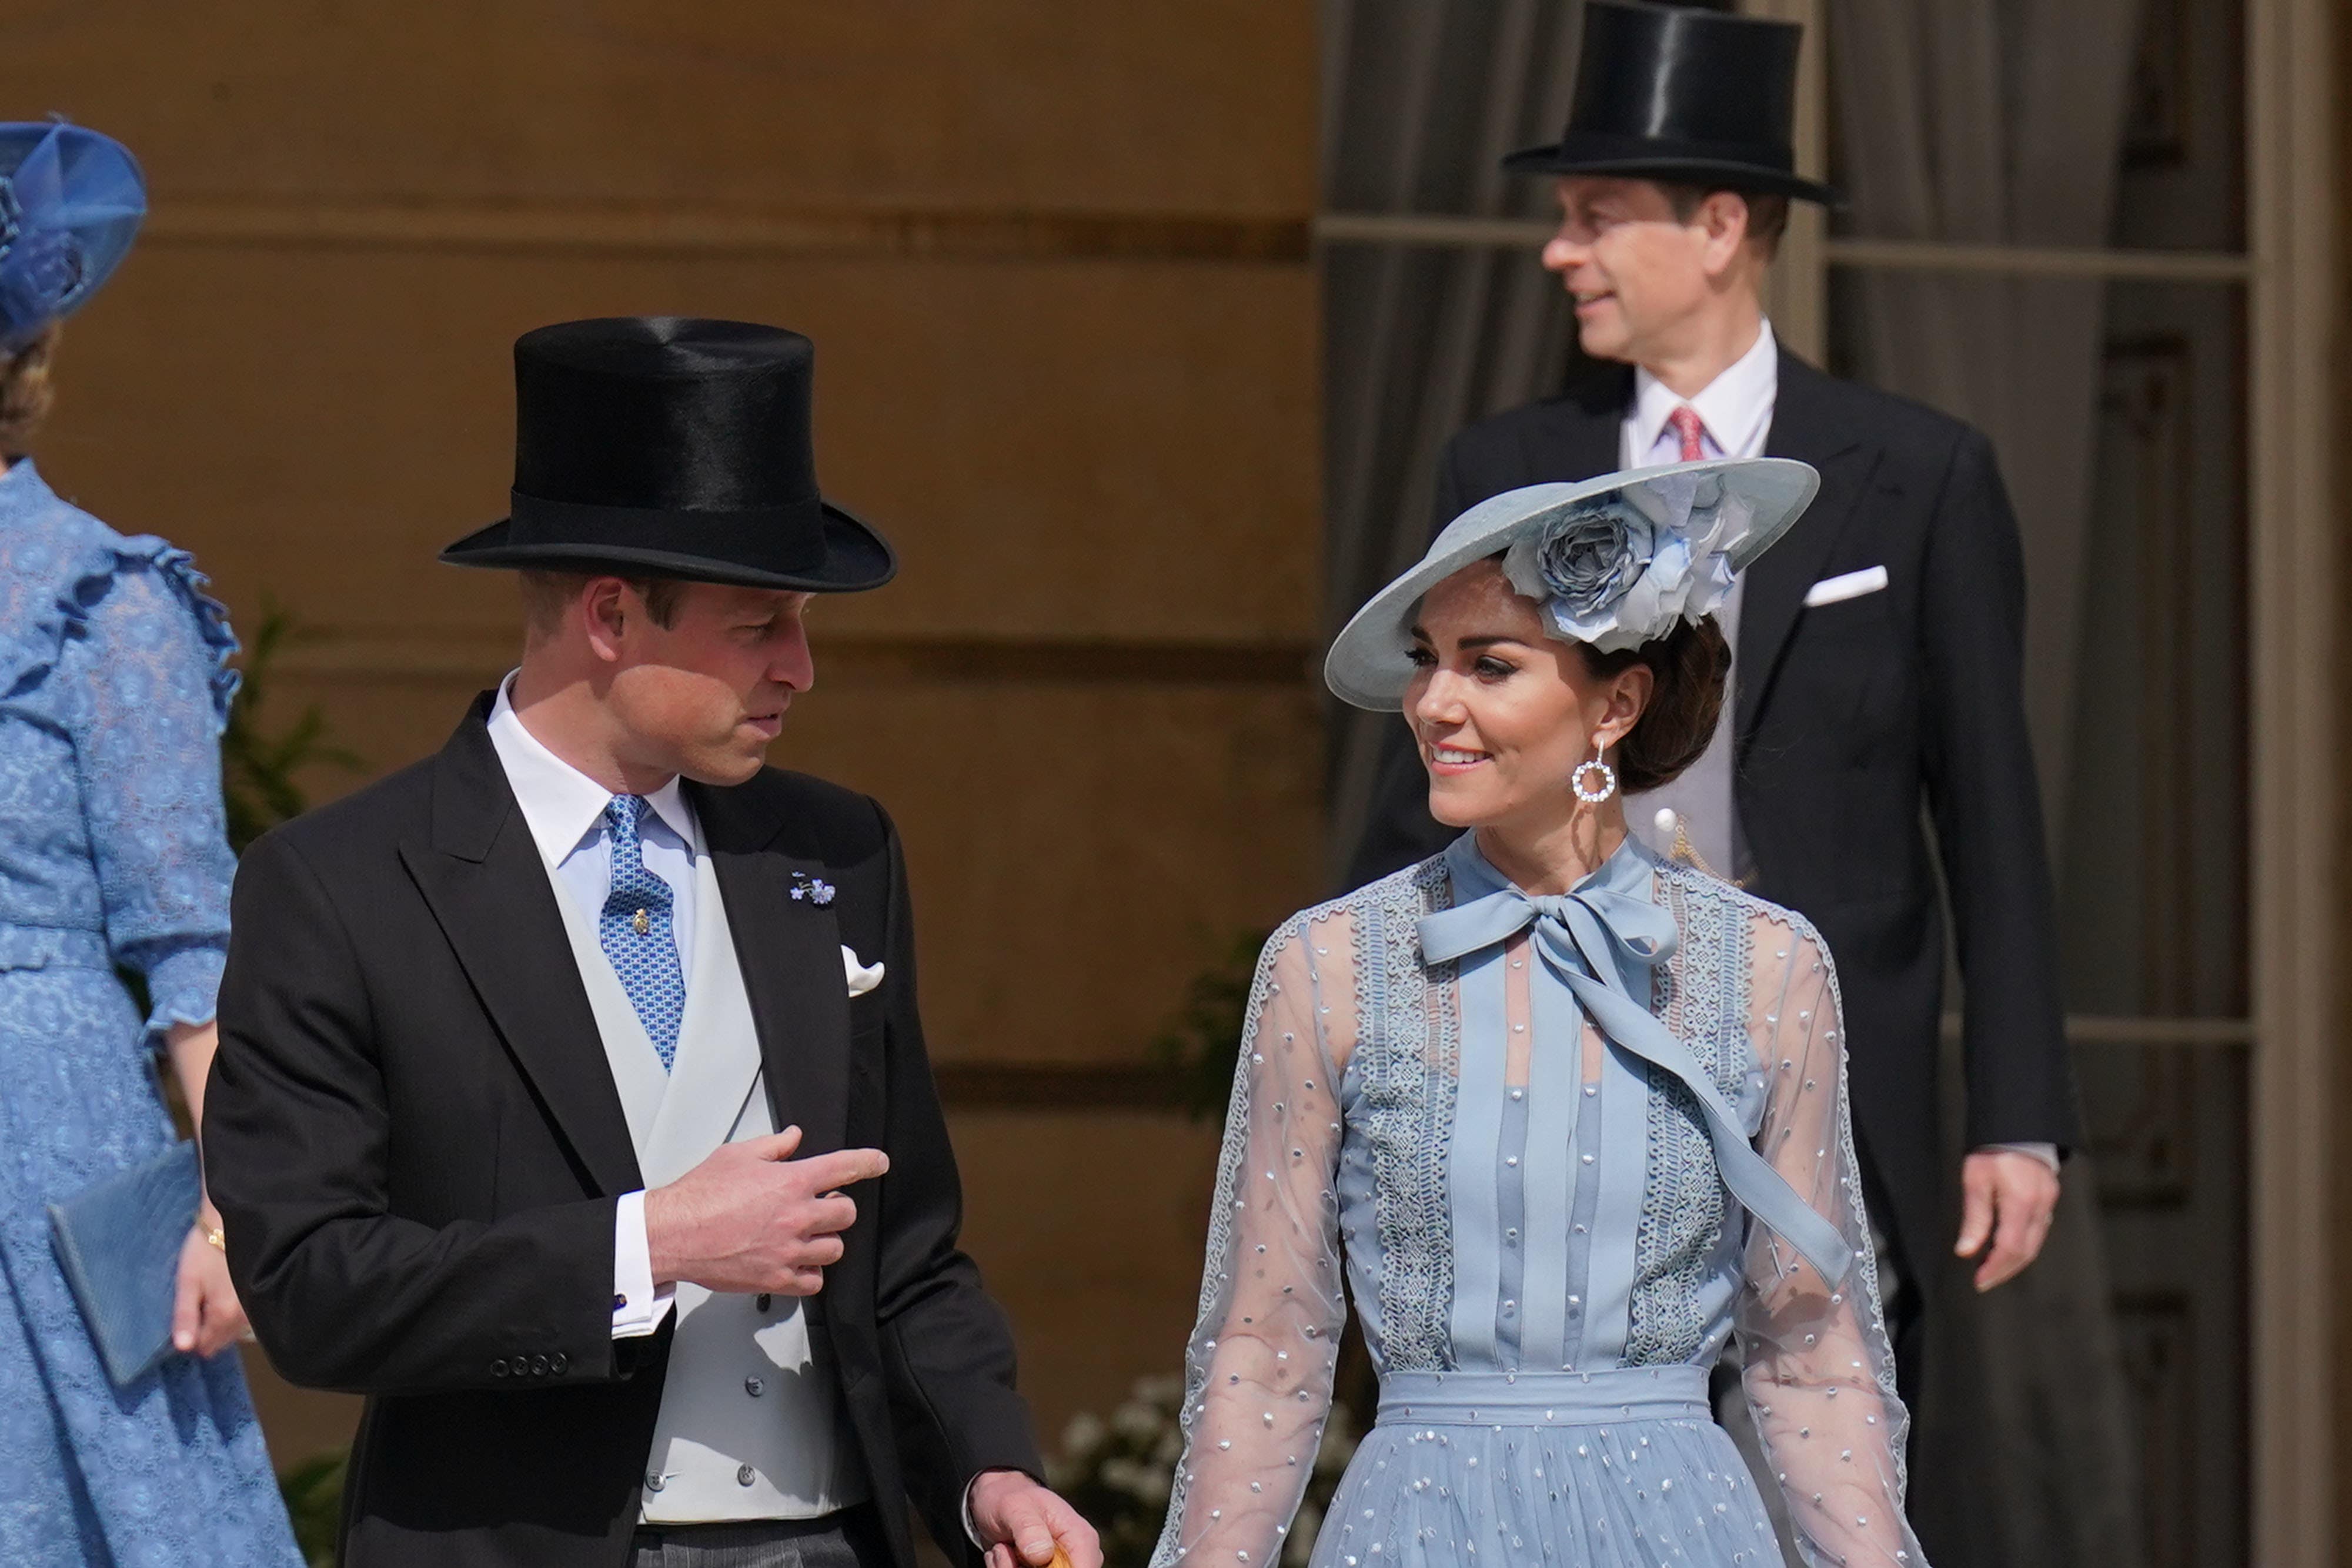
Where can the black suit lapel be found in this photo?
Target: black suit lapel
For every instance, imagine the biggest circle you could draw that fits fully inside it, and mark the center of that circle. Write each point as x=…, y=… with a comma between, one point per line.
x=1803, y=427
x=790, y=952
x=483, y=879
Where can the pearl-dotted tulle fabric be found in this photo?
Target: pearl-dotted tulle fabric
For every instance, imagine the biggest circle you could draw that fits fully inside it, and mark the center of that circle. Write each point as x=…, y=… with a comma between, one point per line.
x=1352, y=1101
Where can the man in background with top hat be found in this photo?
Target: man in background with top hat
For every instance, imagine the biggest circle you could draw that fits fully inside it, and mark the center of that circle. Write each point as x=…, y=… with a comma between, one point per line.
x=1878, y=649
x=572, y=1102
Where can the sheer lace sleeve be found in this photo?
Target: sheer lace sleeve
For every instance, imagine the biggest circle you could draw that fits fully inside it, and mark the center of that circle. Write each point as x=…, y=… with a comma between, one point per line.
x=1258, y=1372
x=147, y=692
x=1820, y=1370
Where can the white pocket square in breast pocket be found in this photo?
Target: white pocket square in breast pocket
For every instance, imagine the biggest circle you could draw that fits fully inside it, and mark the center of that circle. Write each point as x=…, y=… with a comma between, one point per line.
x=1852, y=585
x=862, y=978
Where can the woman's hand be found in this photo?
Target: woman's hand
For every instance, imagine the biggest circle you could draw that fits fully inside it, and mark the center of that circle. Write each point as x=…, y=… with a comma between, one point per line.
x=207, y=1317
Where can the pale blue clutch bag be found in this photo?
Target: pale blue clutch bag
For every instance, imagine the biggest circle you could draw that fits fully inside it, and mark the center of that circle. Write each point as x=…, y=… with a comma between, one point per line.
x=118, y=1242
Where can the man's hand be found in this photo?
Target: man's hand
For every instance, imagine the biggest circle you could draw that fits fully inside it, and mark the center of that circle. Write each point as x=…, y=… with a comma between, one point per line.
x=206, y=1316
x=2007, y=1198
x=752, y=1219
x=1022, y=1522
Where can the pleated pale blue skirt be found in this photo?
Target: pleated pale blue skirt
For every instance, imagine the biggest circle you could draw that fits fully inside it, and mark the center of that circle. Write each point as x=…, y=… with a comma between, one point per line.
x=1620, y=1468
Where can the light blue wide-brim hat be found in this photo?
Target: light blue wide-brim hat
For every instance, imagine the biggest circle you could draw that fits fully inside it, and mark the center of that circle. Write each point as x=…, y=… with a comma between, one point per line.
x=1369, y=665
x=70, y=204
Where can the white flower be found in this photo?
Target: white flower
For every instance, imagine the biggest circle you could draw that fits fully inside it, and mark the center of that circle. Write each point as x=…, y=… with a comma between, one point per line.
x=1138, y=1422
x=1166, y=1392
x=1083, y=1436
x=1169, y=1448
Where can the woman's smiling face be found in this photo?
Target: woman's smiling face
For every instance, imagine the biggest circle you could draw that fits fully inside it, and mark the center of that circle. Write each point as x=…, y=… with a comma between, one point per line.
x=1502, y=714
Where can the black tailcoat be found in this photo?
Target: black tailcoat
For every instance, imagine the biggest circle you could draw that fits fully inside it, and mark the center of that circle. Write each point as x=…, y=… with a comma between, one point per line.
x=417, y=1146
x=1850, y=716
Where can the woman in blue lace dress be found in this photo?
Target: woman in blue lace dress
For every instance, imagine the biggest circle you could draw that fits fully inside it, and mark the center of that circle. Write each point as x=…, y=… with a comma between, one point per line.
x=114, y=689
x=1564, y=1117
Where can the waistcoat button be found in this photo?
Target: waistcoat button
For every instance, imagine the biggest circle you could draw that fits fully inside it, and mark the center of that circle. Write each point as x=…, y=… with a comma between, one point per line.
x=654, y=1482
x=762, y=1300
x=754, y=1388
x=745, y=1475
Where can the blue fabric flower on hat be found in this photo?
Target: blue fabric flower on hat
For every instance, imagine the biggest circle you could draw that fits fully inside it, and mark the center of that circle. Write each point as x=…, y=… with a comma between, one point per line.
x=70, y=204
x=1618, y=571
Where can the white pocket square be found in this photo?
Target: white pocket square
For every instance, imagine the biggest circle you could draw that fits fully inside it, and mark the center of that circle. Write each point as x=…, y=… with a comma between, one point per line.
x=1852, y=585
x=862, y=978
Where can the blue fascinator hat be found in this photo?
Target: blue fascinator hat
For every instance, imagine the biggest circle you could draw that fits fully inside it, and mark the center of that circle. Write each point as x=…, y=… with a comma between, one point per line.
x=71, y=203
x=1615, y=561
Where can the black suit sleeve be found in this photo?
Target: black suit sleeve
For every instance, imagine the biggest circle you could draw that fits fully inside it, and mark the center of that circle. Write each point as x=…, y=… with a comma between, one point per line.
x=1988, y=812
x=342, y=1293
x=948, y=1351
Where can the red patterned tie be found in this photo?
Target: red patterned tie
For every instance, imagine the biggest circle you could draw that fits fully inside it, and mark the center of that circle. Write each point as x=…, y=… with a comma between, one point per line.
x=1690, y=427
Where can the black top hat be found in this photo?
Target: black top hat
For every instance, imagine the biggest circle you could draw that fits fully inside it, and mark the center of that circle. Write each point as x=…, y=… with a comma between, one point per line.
x=1674, y=93
x=675, y=447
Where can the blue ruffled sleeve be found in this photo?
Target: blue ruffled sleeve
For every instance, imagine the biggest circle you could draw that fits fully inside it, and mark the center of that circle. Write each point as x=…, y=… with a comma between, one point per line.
x=143, y=661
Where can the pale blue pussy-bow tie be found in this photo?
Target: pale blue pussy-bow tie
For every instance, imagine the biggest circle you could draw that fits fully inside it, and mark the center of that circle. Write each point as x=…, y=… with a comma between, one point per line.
x=1596, y=939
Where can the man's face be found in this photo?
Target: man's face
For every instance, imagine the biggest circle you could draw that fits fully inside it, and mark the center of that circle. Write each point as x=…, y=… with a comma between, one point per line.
x=1636, y=271
x=704, y=695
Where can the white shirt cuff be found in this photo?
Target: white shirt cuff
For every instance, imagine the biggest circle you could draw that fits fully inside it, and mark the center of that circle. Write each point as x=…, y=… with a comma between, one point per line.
x=638, y=1308
x=2046, y=1153
x=971, y=1529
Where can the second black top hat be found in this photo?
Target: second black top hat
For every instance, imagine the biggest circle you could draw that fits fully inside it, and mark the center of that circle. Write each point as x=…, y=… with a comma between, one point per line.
x=1675, y=93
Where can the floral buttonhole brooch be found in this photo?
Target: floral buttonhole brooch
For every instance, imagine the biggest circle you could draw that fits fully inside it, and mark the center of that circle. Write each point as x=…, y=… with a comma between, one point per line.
x=813, y=889
x=1618, y=571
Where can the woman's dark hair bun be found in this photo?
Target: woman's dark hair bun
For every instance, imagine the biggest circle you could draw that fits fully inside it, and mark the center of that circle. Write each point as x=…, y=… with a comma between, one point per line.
x=1692, y=666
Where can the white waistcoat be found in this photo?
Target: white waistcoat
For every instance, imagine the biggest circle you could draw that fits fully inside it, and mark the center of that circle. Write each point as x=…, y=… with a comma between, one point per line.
x=748, y=1421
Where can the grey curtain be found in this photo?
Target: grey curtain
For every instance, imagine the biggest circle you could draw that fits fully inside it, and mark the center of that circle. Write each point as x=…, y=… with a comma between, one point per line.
x=2001, y=122
x=1421, y=97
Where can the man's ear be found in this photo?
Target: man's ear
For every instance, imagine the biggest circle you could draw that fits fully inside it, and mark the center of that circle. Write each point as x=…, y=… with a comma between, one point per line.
x=1724, y=216
x=605, y=607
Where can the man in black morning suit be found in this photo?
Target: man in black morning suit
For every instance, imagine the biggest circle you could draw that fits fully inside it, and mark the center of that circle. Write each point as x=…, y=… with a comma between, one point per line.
x=545, y=1061
x=1878, y=647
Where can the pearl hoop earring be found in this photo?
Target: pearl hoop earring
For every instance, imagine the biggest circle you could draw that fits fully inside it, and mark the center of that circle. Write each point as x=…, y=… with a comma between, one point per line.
x=1596, y=794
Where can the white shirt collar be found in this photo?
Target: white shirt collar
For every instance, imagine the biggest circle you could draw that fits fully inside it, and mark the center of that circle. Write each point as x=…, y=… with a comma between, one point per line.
x=562, y=806
x=1736, y=407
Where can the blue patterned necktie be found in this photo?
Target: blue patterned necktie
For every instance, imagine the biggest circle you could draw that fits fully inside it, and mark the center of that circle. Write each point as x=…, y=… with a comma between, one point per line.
x=635, y=931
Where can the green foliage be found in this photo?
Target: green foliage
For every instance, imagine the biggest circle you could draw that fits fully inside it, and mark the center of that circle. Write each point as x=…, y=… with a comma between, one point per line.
x=258, y=770
x=1198, y=1049
x=313, y=1491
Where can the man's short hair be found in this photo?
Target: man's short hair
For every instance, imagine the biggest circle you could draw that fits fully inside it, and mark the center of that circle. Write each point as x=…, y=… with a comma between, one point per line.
x=546, y=594
x=1768, y=215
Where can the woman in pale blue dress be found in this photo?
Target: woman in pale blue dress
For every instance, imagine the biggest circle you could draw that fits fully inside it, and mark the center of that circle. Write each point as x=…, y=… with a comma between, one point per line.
x=114, y=689
x=1563, y=1117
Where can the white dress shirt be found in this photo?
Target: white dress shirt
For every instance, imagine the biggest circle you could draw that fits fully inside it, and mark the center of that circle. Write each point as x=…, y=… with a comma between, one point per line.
x=1734, y=413
x=564, y=810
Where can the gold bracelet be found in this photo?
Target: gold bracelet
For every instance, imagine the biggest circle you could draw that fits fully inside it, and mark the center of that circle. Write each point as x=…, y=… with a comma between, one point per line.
x=213, y=1234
